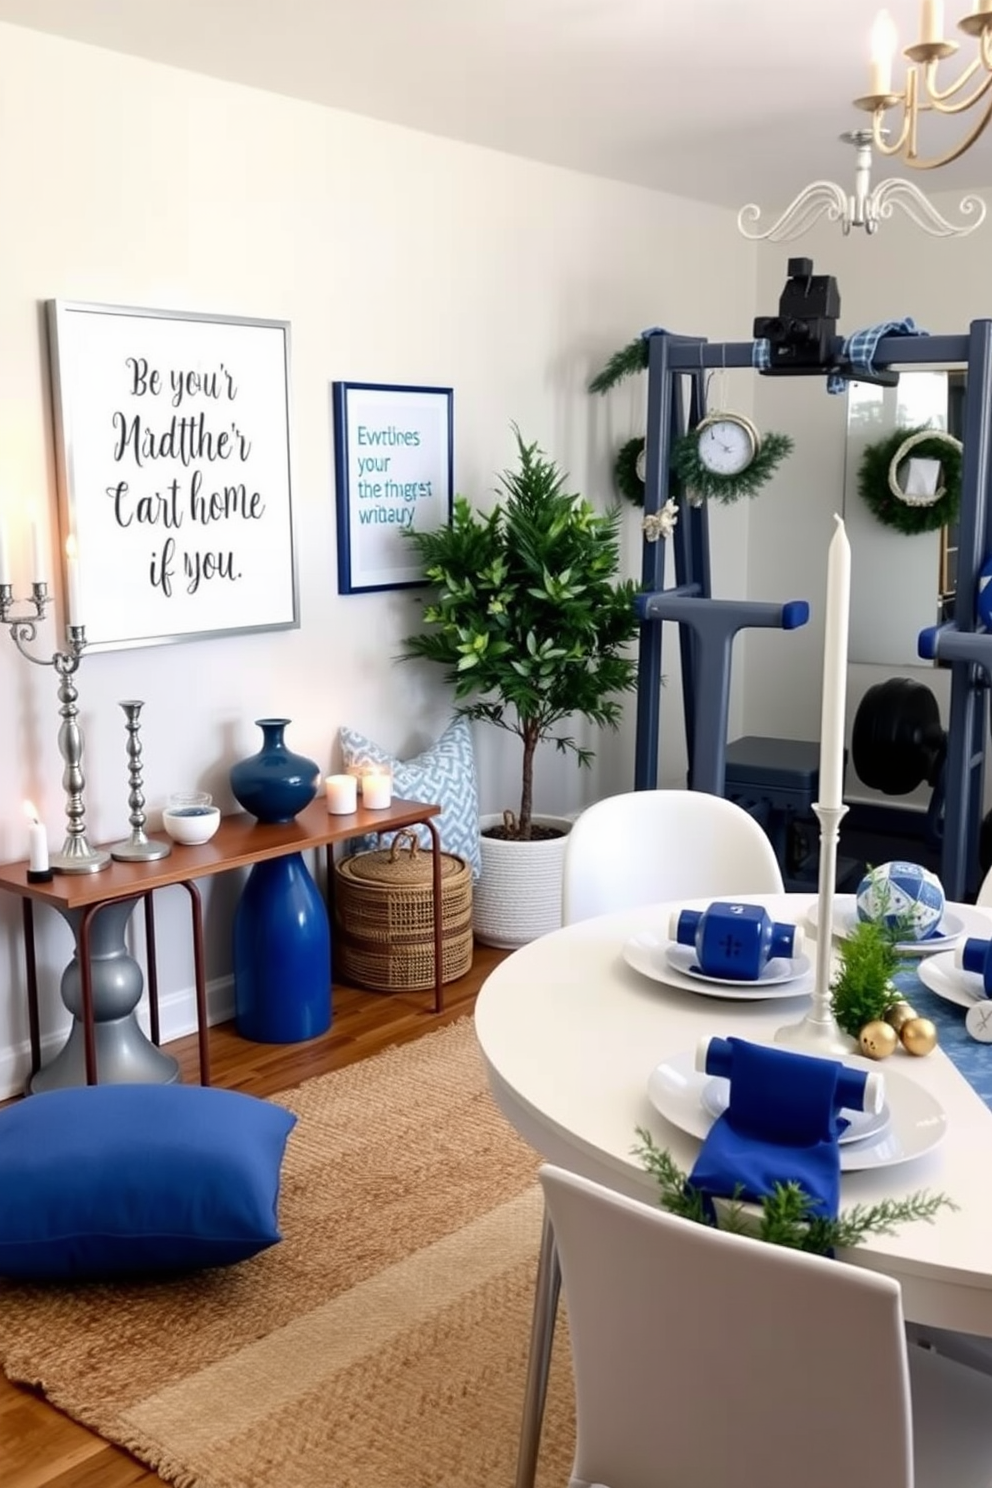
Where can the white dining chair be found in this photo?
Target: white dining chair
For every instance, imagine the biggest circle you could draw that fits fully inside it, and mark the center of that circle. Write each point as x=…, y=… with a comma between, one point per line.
x=645, y=846
x=704, y=1359
x=984, y=896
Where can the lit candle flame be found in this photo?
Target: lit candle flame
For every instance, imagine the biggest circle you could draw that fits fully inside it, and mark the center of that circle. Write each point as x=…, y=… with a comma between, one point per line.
x=31, y=810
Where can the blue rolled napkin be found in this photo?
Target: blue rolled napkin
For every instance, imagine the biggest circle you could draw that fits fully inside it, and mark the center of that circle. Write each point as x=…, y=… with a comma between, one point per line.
x=781, y=1126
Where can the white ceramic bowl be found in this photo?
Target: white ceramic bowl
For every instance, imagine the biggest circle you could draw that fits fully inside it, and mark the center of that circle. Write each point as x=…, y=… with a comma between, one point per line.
x=191, y=825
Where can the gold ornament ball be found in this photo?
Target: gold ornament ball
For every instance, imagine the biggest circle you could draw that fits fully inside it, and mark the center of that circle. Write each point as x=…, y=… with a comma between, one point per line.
x=878, y=1039
x=898, y=1014
x=918, y=1036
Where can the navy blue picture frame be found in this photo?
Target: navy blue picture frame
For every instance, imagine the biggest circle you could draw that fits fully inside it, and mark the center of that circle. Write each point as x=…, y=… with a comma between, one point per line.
x=393, y=465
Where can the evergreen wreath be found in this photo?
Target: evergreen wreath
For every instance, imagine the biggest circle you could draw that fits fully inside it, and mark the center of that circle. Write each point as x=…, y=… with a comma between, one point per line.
x=625, y=471
x=699, y=481
x=877, y=494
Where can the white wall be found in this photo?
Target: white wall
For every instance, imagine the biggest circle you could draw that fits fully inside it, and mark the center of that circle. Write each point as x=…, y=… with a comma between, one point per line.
x=396, y=257
x=943, y=285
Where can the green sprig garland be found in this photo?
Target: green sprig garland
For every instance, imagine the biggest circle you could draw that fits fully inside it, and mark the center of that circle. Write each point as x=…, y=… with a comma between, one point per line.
x=699, y=481
x=786, y=1216
x=623, y=363
x=873, y=484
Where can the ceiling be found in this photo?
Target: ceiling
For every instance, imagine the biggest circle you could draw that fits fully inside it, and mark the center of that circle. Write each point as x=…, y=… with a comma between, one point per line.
x=723, y=100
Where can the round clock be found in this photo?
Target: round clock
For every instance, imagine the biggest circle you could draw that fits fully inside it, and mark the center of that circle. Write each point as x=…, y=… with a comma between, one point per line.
x=727, y=443
x=724, y=457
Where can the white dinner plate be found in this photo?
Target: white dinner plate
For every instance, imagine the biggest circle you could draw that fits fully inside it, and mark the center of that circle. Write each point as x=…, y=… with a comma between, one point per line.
x=646, y=953
x=715, y=1096
x=950, y=930
x=780, y=969
x=950, y=982
x=917, y=1120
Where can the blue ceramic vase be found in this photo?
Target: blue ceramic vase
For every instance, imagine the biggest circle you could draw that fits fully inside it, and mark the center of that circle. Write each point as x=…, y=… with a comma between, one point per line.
x=282, y=955
x=274, y=784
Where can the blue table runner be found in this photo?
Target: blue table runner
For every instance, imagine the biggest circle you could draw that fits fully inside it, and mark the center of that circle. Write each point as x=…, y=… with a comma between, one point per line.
x=972, y=1059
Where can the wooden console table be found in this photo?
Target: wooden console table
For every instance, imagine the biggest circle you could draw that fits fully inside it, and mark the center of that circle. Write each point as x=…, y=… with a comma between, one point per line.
x=239, y=842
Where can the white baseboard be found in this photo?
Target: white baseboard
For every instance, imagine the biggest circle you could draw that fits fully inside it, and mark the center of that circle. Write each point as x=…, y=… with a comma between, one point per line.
x=177, y=1017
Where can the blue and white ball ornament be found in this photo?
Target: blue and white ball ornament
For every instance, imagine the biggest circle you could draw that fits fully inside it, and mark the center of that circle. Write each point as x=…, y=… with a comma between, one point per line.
x=904, y=897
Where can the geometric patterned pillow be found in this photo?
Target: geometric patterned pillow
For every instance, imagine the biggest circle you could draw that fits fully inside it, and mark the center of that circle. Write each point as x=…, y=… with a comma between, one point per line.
x=445, y=772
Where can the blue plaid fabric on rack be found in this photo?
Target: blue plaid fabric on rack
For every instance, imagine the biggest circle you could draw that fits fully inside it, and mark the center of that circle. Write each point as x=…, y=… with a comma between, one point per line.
x=859, y=350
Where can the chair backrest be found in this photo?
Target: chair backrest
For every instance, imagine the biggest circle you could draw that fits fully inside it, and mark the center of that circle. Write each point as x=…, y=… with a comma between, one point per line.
x=985, y=892
x=703, y=1358
x=646, y=846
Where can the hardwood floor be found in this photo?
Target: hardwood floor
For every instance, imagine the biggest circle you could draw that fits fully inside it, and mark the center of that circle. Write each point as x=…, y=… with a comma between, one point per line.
x=40, y=1447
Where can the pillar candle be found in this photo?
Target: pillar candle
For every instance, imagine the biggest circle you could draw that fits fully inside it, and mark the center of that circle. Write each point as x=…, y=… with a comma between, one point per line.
x=342, y=794
x=37, y=841
x=377, y=790
x=836, y=625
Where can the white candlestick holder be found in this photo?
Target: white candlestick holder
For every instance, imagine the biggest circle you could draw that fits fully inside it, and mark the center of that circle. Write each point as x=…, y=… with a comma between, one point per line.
x=819, y=1032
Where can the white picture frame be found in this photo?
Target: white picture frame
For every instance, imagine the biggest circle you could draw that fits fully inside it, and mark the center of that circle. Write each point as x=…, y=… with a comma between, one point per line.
x=172, y=432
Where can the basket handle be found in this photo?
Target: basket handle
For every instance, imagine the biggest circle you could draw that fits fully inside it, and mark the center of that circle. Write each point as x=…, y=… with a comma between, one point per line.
x=412, y=839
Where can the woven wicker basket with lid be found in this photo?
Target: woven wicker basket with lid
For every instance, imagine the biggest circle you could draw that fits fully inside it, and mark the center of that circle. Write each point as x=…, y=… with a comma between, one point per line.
x=384, y=917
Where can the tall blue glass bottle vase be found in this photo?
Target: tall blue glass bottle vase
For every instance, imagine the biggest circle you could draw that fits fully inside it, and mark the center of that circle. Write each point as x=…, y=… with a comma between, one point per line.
x=282, y=955
x=274, y=784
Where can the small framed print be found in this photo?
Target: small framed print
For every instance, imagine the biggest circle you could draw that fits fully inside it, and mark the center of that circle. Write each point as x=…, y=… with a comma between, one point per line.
x=393, y=470
x=172, y=440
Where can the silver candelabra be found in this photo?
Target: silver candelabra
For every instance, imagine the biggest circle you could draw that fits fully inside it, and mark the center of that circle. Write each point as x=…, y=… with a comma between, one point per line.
x=77, y=856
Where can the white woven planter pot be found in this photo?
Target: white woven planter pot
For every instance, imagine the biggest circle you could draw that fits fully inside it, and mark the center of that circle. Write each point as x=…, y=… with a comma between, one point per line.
x=518, y=895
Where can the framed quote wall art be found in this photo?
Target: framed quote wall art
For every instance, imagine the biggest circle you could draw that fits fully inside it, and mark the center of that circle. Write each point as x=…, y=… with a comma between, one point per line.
x=393, y=470
x=173, y=456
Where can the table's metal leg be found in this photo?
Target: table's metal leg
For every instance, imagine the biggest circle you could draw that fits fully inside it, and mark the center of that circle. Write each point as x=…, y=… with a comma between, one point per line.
x=86, y=991
x=31, y=968
x=542, y=1336
x=199, y=979
x=152, y=958
x=438, y=908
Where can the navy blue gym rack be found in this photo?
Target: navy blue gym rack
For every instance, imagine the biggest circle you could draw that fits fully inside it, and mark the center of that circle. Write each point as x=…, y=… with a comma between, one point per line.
x=707, y=626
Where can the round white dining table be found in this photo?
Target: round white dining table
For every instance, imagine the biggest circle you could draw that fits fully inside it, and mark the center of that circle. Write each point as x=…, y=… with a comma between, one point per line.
x=570, y=1033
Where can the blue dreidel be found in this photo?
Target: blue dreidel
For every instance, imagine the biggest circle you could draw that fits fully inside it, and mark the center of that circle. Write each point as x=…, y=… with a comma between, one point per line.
x=735, y=941
x=976, y=955
x=857, y=1089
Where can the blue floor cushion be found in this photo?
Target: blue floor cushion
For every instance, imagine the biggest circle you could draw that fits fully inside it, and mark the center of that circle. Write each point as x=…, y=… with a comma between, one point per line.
x=111, y=1180
x=445, y=773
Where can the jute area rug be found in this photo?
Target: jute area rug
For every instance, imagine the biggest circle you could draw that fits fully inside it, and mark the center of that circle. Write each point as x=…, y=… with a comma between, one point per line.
x=381, y=1344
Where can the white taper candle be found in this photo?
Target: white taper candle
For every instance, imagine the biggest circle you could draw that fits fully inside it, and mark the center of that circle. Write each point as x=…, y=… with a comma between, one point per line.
x=836, y=625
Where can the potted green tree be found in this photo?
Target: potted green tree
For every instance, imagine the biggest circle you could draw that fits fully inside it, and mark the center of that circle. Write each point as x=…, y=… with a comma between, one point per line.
x=531, y=622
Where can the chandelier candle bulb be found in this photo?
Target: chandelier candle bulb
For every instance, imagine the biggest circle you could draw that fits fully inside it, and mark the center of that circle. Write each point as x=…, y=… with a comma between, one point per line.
x=342, y=794
x=932, y=20
x=4, y=565
x=883, y=49
x=377, y=789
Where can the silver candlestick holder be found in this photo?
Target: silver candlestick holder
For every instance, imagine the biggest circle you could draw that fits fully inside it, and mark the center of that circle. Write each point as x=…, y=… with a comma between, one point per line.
x=819, y=1032
x=138, y=848
x=77, y=856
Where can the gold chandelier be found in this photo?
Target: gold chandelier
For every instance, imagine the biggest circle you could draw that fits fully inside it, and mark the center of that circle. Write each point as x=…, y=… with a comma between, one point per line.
x=922, y=93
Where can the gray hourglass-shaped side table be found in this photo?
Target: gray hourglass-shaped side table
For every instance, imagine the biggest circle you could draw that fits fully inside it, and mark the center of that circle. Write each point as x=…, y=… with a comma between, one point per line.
x=102, y=985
